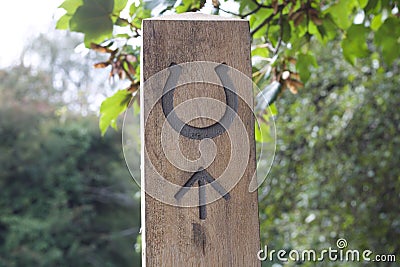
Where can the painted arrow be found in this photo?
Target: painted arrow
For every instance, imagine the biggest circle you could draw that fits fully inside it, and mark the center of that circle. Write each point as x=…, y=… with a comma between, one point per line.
x=201, y=177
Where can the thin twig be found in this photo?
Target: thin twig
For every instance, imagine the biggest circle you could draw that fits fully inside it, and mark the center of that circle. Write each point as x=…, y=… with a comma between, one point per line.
x=261, y=5
x=229, y=12
x=251, y=12
x=133, y=27
x=280, y=33
x=265, y=22
x=242, y=15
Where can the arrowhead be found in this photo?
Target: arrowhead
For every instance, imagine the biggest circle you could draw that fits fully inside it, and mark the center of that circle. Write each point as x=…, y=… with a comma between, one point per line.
x=216, y=185
x=202, y=176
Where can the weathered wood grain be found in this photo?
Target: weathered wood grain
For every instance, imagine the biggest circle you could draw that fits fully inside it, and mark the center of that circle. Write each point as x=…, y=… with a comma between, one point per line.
x=176, y=236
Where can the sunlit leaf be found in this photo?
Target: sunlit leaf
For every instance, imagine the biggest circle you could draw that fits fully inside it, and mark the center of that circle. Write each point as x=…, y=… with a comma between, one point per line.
x=71, y=5
x=111, y=108
x=373, y=6
x=342, y=13
x=262, y=132
x=304, y=64
x=122, y=35
x=119, y=5
x=189, y=5
x=388, y=38
x=376, y=22
x=63, y=22
x=138, y=12
x=121, y=22
x=273, y=109
x=355, y=44
x=363, y=3
x=93, y=19
x=328, y=29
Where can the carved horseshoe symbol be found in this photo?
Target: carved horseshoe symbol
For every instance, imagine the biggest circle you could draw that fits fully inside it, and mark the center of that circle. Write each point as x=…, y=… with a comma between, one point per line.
x=187, y=130
x=199, y=133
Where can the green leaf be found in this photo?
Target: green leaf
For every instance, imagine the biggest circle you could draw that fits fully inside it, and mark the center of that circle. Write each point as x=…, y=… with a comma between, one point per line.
x=136, y=107
x=260, y=51
x=121, y=22
x=363, y=3
x=189, y=5
x=303, y=65
x=376, y=22
x=119, y=5
x=138, y=13
x=184, y=7
x=122, y=35
x=262, y=132
x=71, y=5
x=111, y=108
x=259, y=17
x=372, y=6
x=341, y=13
x=287, y=31
x=63, y=22
x=246, y=6
x=273, y=109
x=132, y=9
x=256, y=19
x=387, y=38
x=137, y=74
x=355, y=43
x=93, y=19
x=330, y=29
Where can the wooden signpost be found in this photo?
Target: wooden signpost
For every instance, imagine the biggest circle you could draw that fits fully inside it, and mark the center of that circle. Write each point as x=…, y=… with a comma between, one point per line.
x=198, y=211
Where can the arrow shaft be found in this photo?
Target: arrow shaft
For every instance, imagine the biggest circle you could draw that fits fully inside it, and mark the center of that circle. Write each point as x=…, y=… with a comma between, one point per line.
x=202, y=199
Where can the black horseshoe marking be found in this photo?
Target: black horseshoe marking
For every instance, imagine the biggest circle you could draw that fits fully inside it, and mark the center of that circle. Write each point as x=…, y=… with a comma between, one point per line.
x=202, y=177
x=167, y=102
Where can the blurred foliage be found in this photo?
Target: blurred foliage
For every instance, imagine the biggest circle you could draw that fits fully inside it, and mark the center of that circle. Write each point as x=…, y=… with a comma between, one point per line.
x=67, y=197
x=281, y=32
x=336, y=172
x=68, y=200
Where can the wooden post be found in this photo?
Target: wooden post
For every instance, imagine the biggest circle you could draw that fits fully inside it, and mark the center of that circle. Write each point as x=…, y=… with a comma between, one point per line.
x=175, y=232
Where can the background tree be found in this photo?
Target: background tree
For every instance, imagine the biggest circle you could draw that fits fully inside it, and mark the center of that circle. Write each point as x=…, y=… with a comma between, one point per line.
x=336, y=171
x=67, y=198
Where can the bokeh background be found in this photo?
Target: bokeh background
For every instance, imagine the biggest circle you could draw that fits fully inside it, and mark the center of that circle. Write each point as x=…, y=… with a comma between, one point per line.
x=67, y=198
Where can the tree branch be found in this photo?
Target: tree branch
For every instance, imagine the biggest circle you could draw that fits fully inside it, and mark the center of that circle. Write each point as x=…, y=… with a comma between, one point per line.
x=267, y=20
x=243, y=15
x=261, y=5
x=280, y=33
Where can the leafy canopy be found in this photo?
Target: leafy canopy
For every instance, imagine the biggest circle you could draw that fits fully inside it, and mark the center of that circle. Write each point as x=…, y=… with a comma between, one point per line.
x=281, y=33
